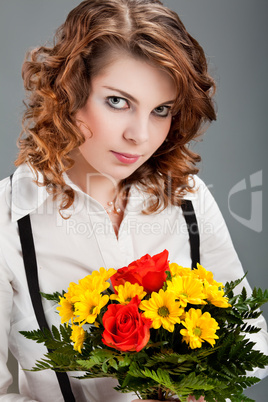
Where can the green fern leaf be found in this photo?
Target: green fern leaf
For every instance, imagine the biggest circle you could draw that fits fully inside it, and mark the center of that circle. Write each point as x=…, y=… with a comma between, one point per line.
x=66, y=332
x=54, y=296
x=39, y=336
x=230, y=286
x=55, y=333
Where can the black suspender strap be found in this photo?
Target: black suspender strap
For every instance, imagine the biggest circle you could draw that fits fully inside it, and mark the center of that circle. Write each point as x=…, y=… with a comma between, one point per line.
x=29, y=258
x=30, y=264
x=190, y=218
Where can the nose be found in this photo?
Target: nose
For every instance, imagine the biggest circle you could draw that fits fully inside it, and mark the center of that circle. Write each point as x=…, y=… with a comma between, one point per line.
x=137, y=130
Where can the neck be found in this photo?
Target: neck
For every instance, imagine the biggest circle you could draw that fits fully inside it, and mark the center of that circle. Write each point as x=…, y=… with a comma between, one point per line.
x=99, y=186
x=102, y=188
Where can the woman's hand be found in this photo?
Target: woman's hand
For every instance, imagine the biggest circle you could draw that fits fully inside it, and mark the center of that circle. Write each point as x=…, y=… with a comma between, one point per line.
x=192, y=399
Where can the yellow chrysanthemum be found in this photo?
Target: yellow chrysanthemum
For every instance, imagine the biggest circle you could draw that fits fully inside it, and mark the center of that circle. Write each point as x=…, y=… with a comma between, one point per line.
x=177, y=270
x=162, y=309
x=103, y=273
x=199, y=328
x=78, y=337
x=72, y=291
x=188, y=289
x=206, y=276
x=89, y=306
x=127, y=291
x=96, y=281
x=215, y=295
x=93, y=282
x=66, y=310
x=203, y=274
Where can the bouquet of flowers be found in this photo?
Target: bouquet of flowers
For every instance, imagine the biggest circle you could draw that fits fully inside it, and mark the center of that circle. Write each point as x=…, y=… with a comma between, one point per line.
x=164, y=331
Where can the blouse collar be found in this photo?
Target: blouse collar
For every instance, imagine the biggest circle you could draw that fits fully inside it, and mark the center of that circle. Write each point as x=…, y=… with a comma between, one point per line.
x=27, y=197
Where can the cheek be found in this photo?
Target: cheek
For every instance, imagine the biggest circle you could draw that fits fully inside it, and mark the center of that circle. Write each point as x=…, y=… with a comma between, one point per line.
x=91, y=122
x=105, y=128
x=160, y=133
x=167, y=127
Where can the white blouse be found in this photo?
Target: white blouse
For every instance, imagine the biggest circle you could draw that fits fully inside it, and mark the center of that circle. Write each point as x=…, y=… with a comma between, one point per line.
x=69, y=249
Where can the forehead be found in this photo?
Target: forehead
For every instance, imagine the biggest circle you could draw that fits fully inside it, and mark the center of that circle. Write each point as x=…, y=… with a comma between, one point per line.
x=136, y=77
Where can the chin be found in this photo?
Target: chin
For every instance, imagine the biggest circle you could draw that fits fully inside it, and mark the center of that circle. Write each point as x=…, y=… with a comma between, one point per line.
x=120, y=174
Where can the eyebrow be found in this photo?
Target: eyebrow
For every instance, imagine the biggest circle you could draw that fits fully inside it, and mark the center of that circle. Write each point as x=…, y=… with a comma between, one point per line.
x=127, y=95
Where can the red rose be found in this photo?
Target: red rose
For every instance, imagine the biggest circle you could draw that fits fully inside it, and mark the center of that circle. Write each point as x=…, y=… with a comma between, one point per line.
x=125, y=327
x=149, y=272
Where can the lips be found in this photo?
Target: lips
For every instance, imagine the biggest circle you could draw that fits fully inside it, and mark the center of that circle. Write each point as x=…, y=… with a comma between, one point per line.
x=126, y=158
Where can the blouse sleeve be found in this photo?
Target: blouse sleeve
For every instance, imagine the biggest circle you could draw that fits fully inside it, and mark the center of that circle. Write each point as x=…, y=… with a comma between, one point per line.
x=217, y=254
x=6, y=301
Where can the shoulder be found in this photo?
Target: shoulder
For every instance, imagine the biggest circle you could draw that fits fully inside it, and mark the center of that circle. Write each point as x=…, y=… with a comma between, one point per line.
x=200, y=194
x=21, y=196
x=5, y=198
x=205, y=206
x=197, y=185
x=4, y=184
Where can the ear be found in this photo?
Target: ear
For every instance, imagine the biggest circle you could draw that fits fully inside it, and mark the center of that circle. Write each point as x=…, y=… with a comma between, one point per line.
x=84, y=128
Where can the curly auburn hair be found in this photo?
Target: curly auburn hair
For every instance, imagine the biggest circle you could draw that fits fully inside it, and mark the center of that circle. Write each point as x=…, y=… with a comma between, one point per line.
x=58, y=81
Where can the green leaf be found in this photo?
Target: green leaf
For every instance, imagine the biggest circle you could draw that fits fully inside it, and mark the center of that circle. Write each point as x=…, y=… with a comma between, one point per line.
x=230, y=286
x=38, y=335
x=124, y=361
x=104, y=367
x=56, y=333
x=243, y=295
x=160, y=376
x=65, y=332
x=136, y=371
x=53, y=296
x=113, y=363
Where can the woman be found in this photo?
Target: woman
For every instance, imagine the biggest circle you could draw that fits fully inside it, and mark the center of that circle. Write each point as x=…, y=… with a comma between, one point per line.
x=103, y=167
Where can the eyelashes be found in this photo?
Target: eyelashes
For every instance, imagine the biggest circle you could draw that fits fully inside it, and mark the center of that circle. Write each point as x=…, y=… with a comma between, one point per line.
x=119, y=103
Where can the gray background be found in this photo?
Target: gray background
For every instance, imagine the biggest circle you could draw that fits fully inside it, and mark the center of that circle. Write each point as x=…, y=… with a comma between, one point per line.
x=234, y=36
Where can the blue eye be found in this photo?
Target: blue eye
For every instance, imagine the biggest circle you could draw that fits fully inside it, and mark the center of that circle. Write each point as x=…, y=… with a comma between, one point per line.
x=162, y=111
x=117, y=103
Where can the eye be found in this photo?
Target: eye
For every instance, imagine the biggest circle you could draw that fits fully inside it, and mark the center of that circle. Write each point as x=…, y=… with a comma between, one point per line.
x=162, y=111
x=117, y=103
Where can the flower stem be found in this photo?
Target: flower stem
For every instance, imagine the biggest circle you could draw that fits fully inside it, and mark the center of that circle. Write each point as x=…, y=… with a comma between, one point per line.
x=160, y=393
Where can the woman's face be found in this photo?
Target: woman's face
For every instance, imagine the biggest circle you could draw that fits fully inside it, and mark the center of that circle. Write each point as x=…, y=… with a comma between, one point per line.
x=128, y=114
